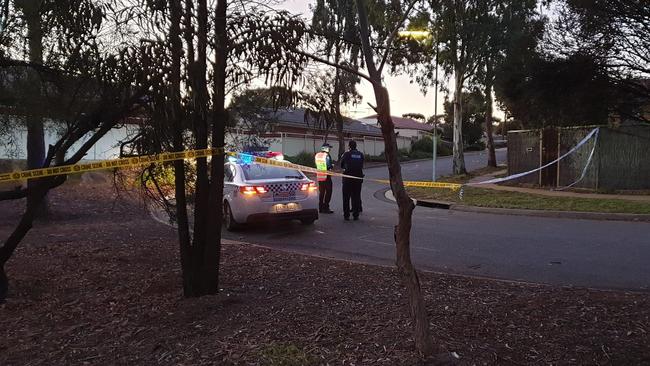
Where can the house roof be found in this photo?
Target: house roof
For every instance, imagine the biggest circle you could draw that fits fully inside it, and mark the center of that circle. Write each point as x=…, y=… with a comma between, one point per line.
x=406, y=123
x=296, y=118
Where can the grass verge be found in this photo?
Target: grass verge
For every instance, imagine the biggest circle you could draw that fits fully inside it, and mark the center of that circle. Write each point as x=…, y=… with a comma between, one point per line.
x=485, y=197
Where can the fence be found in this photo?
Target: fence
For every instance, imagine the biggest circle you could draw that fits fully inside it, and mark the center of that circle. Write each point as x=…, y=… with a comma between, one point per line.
x=14, y=146
x=621, y=158
x=292, y=144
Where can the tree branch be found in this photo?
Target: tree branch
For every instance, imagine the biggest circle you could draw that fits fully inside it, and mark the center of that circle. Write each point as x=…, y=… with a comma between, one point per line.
x=392, y=36
x=333, y=64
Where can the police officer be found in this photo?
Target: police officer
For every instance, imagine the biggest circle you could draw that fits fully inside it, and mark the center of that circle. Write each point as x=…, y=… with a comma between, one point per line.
x=352, y=164
x=324, y=163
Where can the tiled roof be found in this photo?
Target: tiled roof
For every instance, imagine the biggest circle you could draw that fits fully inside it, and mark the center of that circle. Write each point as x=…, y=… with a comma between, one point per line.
x=296, y=118
x=406, y=123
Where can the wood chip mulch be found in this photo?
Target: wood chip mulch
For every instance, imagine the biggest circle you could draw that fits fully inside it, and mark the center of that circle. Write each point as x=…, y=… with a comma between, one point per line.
x=100, y=284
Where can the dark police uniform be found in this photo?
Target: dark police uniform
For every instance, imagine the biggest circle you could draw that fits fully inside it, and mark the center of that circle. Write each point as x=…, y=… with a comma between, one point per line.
x=352, y=164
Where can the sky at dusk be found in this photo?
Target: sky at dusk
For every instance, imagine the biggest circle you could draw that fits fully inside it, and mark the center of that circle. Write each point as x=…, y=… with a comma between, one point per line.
x=405, y=97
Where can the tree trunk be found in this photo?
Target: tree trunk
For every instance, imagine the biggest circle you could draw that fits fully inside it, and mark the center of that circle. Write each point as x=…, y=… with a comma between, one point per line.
x=34, y=120
x=38, y=192
x=202, y=262
x=459, y=156
x=182, y=222
x=492, y=158
x=212, y=253
x=339, y=116
x=405, y=205
x=337, y=104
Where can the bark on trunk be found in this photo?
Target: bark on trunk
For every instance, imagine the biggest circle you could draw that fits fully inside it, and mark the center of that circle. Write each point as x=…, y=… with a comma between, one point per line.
x=182, y=222
x=492, y=157
x=405, y=205
x=212, y=253
x=337, y=104
x=459, y=156
x=38, y=192
x=34, y=120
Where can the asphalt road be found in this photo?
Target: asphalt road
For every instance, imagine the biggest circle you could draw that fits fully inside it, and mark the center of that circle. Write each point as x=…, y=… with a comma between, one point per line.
x=600, y=254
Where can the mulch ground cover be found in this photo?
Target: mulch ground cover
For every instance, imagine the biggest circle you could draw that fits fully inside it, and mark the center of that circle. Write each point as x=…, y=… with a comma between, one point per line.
x=99, y=284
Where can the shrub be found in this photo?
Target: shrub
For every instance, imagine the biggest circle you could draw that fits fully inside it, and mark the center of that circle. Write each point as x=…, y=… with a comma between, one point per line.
x=304, y=158
x=403, y=152
x=479, y=146
x=376, y=158
x=416, y=154
x=424, y=144
x=444, y=149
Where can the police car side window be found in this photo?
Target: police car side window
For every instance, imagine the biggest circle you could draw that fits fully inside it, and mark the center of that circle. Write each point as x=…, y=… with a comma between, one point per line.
x=233, y=172
x=227, y=173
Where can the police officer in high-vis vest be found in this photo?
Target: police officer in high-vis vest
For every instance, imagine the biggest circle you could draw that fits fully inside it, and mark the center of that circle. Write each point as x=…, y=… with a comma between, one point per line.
x=352, y=164
x=324, y=163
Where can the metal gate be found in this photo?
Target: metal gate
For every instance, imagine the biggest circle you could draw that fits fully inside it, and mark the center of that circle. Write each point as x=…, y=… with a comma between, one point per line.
x=550, y=148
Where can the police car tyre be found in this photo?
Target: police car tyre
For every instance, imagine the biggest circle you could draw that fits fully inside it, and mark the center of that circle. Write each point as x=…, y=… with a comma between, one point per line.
x=228, y=220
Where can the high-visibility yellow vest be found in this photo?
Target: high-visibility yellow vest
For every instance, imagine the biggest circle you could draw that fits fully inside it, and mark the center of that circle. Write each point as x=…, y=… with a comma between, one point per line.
x=321, y=164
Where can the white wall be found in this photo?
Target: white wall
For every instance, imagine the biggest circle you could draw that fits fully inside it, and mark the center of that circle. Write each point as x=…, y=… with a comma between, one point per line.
x=14, y=146
x=414, y=134
x=292, y=144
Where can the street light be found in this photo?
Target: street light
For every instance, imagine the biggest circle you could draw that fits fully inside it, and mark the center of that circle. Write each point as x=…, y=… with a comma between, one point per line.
x=426, y=35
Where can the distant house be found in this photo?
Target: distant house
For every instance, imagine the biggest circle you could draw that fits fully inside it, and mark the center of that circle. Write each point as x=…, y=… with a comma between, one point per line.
x=405, y=127
x=293, y=121
x=292, y=134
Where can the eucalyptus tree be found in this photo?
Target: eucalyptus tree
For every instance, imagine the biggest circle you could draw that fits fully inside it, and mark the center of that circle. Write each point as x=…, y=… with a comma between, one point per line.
x=334, y=22
x=616, y=35
x=508, y=30
x=458, y=29
x=393, y=17
x=205, y=51
x=51, y=31
x=86, y=88
x=377, y=25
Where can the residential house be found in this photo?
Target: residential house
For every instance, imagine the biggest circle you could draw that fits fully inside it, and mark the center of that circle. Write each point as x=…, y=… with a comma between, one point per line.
x=404, y=127
x=292, y=133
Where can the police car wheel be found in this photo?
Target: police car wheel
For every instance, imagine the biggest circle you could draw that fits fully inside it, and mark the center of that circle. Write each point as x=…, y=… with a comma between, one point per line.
x=228, y=220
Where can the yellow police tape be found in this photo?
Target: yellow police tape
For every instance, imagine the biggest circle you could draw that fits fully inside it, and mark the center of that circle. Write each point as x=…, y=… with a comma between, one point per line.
x=109, y=164
x=188, y=154
x=286, y=164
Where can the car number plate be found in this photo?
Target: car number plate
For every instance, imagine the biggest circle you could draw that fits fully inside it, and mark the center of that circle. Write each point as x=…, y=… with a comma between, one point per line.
x=289, y=207
x=283, y=196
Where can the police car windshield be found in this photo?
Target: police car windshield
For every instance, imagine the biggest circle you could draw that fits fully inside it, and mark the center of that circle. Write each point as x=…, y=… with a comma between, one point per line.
x=259, y=172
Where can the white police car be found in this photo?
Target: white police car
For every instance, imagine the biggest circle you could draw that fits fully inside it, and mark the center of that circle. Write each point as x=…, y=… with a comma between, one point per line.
x=257, y=193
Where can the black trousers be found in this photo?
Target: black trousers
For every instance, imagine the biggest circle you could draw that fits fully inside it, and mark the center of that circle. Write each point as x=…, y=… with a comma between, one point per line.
x=352, y=193
x=324, y=193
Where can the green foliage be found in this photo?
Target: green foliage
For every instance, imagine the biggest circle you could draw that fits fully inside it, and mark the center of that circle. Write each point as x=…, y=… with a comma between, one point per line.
x=616, y=34
x=444, y=149
x=556, y=92
x=477, y=146
x=484, y=197
x=280, y=354
x=304, y=158
x=416, y=116
x=473, y=118
x=424, y=144
x=381, y=158
x=417, y=154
